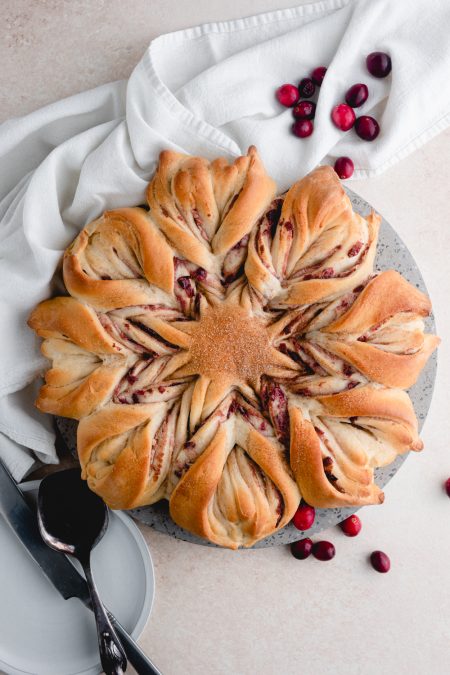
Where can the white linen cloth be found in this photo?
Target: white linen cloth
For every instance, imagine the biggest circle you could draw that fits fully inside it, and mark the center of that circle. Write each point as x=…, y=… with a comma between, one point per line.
x=208, y=90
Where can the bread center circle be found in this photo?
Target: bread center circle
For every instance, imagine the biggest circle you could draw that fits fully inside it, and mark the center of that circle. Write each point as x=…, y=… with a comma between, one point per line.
x=229, y=341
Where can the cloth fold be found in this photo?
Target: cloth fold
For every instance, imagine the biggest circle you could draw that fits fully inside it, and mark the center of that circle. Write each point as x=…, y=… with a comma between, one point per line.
x=208, y=90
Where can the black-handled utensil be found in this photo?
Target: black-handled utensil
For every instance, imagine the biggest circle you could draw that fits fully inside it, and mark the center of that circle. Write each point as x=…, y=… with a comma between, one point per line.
x=55, y=566
x=72, y=520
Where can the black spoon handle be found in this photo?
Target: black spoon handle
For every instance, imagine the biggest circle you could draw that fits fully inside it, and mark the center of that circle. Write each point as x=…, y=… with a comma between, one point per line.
x=112, y=656
x=140, y=662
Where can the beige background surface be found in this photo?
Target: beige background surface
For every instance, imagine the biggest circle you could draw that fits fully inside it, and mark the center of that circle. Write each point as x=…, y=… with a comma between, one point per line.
x=218, y=612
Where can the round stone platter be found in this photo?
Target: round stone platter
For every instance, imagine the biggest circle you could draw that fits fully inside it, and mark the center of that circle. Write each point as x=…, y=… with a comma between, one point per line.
x=391, y=254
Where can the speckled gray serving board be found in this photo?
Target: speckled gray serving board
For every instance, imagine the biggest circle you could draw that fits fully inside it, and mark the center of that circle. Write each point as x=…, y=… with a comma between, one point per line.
x=392, y=254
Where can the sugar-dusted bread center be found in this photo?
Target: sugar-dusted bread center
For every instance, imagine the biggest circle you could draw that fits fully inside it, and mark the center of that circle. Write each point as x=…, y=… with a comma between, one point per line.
x=229, y=340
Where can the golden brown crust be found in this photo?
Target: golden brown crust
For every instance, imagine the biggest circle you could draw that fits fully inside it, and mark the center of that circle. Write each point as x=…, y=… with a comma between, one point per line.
x=308, y=291
x=381, y=334
x=330, y=465
x=192, y=495
x=87, y=363
x=310, y=245
x=373, y=401
x=191, y=501
x=65, y=317
x=392, y=370
x=124, y=480
x=189, y=377
x=271, y=459
x=180, y=186
x=256, y=192
x=384, y=296
x=311, y=205
x=140, y=244
x=307, y=465
x=75, y=400
x=205, y=209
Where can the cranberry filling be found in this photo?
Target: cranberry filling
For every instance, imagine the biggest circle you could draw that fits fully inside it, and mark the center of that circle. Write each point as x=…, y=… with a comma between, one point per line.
x=233, y=265
x=186, y=285
x=355, y=249
x=200, y=274
x=273, y=215
x=196, y=216
x=153, y=334
x=275, y=402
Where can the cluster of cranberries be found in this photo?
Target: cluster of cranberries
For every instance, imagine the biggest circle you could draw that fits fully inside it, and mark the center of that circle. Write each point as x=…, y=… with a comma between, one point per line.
x=324, y=550
x=343, y=115
x=298, y=97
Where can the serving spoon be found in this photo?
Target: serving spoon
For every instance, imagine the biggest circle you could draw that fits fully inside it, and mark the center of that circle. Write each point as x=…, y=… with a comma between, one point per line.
x=72, y=519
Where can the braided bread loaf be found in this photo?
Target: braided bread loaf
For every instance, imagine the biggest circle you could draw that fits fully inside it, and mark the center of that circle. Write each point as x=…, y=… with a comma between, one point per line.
x=233, y=351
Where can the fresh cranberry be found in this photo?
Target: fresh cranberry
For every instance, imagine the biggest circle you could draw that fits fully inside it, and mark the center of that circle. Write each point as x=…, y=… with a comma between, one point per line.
x=447, y=486
x=287, y=95
x=306, y=87
x=351, y=526
x=323, y=550
x=305, y=110
x=344, y=167
x=318, y=74
x=302, y=128
x=343, y=116
x=301, y=549
x=380, y=562
x=367, y=128
x=304, y=517
x=357, y=95
x=379, y=64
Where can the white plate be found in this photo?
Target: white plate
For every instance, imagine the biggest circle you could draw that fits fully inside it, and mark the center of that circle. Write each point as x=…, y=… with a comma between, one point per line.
x=43, y=634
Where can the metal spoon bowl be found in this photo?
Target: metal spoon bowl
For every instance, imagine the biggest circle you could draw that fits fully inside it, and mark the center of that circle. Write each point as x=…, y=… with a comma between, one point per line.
x=72, y=519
